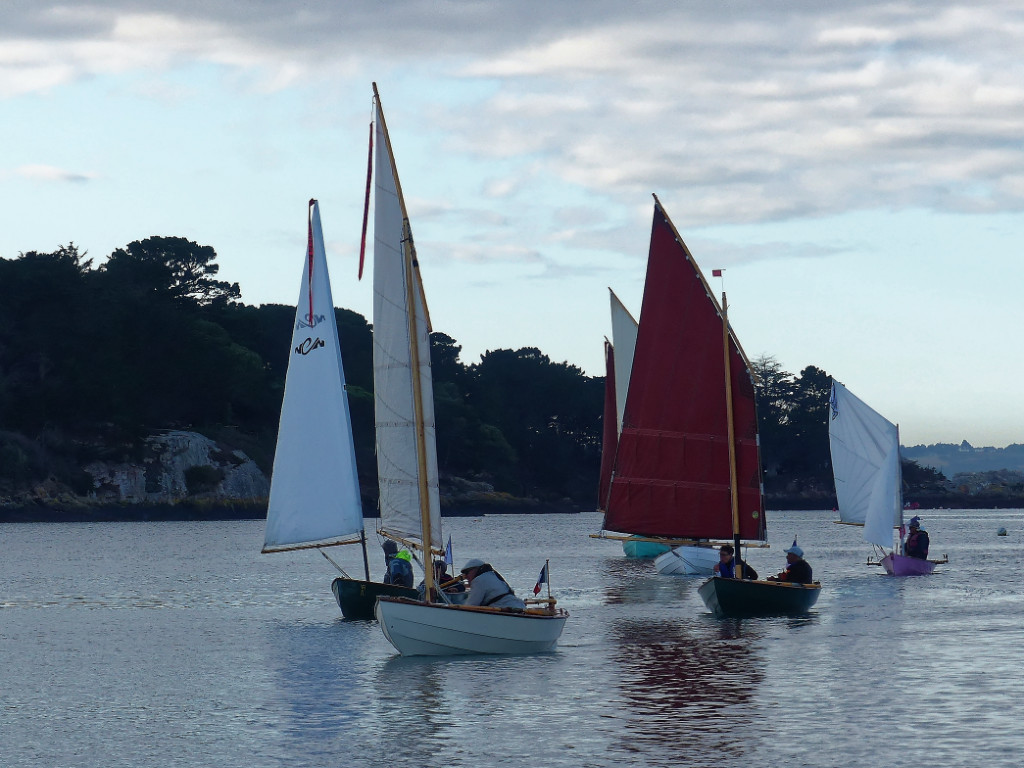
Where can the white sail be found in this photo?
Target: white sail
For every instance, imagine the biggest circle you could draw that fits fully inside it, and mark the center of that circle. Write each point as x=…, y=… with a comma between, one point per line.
x=406, y=450
x=624, y=331
x=314, y=490
x=866, y=466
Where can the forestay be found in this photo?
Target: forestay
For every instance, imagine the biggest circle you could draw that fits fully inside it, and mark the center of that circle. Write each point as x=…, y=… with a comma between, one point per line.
x=866, y=465
x=314, y=491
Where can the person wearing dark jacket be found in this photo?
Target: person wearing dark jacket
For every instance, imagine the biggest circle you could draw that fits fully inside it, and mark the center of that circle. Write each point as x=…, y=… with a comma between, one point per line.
x=726, y=565
x=798, y=570
x=916, y=544
x=443, y=579
x=399, y=566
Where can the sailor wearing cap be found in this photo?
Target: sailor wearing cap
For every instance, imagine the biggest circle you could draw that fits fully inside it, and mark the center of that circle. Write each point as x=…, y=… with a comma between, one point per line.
x=797, y=570
x=917, y=542
x=487, y=587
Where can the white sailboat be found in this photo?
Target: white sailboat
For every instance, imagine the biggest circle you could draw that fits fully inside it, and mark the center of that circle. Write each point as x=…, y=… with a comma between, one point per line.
x=865, y=450
x=406, y=452
x=314, y=490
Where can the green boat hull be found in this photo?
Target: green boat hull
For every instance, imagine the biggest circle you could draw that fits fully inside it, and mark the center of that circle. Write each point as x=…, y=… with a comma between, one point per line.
x=358, y=598
x=733, y=597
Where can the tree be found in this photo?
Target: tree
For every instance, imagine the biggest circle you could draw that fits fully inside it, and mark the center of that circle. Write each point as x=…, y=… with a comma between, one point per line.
x=182, y=268
x=550, y=415
x=774, y=390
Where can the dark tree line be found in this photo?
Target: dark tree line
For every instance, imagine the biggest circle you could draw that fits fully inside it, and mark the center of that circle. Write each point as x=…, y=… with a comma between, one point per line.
x=92, y=359
x=793, y=414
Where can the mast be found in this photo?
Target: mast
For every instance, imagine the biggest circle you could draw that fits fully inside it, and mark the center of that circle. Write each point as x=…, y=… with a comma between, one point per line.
x=733, y=490
x=411, y=286
x=898, y=529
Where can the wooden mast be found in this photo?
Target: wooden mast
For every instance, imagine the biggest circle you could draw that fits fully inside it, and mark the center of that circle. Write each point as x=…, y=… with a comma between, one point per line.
x=411, y=269
x=733, y=489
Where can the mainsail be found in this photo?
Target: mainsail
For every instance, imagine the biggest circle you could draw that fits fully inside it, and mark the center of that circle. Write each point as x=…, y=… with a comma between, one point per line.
x=671, y=474
x=314, y=490
x=403, y=390
x=866, y=466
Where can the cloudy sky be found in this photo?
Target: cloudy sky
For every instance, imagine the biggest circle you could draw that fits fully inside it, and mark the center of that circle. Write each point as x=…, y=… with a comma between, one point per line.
x=857, y=168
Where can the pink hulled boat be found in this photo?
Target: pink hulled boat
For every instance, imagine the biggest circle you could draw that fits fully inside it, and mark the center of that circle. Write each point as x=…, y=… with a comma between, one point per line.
x=869, y=479
x=901, y=565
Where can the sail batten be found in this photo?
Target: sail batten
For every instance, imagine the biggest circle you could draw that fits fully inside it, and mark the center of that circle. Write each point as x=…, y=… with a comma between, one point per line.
x=671, y=474
x=314, y=491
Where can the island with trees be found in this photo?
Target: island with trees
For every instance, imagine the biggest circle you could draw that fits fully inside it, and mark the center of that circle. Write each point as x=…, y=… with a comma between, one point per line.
x=145, y=383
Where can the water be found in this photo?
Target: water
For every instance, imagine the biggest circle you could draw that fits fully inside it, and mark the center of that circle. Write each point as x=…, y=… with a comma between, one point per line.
x=177, y=644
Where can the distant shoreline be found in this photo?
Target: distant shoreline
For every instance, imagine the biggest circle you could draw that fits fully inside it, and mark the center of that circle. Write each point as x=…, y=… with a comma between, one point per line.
x=114, y=513
x=939, y=501
x=38, y=513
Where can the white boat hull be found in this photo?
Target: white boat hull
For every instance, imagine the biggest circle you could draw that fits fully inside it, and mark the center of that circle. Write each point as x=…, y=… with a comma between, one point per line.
x=431, y=629
x=687, y=561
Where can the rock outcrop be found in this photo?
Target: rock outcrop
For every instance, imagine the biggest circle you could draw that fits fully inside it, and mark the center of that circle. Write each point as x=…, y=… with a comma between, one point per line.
x=179, y=466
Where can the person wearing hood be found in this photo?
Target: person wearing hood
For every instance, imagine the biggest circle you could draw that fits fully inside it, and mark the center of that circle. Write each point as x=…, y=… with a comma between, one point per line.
x=916, y=544
x=488, y=588
x=798, y=570
x=399, y=565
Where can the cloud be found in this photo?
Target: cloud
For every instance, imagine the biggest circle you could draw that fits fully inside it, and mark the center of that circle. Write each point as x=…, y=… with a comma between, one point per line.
x=50, y=173
x=738, y=112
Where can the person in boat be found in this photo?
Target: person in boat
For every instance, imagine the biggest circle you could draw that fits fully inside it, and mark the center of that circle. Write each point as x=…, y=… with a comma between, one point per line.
x=488, y=588
x=450, y=584
x=726, y=565
x=798, y=570
x=399, y=565
x=916, y=544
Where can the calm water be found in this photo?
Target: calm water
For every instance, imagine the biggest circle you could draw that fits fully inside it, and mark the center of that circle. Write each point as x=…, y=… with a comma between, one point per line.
x=178, y=644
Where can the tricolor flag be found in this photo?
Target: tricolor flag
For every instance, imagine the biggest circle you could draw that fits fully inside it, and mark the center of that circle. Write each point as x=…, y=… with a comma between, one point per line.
x=542, y=579
x=448, y=552
x=716, y=273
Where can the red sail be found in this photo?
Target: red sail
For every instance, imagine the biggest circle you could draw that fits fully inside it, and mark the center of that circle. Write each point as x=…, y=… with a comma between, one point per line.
x=671, y=472
x=609, y=436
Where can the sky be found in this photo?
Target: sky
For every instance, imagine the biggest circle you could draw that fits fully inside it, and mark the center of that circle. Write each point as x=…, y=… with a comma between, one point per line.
x=856, y=168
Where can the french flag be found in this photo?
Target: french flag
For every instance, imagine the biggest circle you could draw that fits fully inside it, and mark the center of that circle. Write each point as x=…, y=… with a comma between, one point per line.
x=542, y=579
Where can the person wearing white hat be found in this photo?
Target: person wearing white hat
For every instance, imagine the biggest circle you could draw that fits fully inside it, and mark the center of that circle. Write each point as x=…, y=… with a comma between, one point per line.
x=488, y=588
x=797, y=570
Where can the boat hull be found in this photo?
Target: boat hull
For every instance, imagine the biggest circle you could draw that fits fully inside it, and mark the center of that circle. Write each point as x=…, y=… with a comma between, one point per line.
x=643, y=550
x=687, y=561
x=431, y=629
x=735, y=597
x=901, y=565
x=358, y=598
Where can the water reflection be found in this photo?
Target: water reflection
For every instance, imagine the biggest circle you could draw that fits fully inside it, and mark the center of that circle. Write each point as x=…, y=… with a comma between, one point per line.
x=687, y=684
x=317, y=687
x=636, y=582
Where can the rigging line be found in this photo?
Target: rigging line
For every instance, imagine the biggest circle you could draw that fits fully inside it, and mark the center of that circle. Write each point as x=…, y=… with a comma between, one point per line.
x=333, y=563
